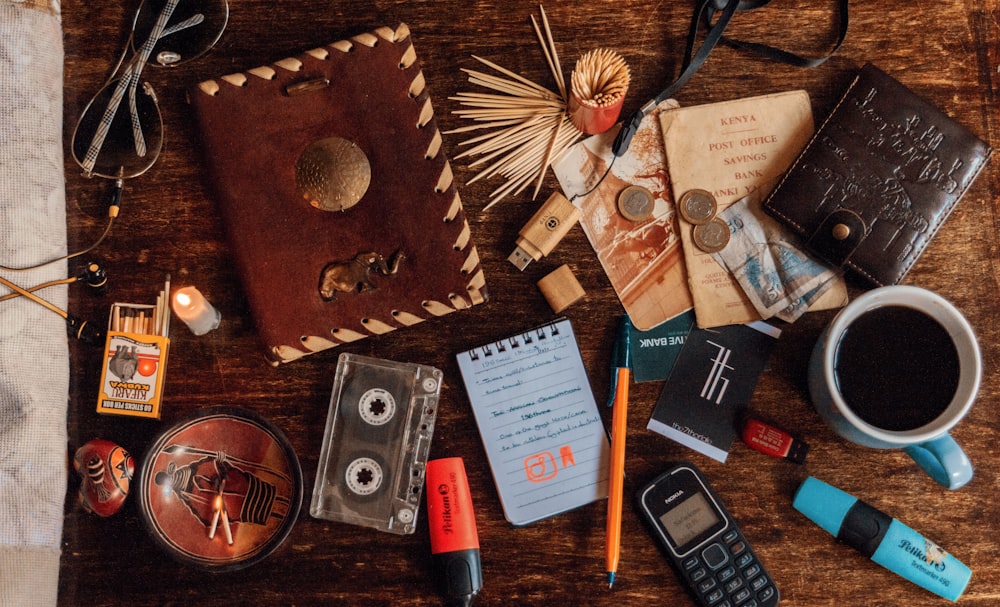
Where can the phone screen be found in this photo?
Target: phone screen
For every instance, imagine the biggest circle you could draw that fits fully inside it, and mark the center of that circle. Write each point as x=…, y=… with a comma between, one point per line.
x=688, y=519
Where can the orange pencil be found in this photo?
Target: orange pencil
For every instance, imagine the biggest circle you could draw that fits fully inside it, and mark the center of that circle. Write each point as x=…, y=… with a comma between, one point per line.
x=619, y=426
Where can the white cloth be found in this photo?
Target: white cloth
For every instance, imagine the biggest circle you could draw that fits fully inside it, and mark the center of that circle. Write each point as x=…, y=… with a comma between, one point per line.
x=34, y=355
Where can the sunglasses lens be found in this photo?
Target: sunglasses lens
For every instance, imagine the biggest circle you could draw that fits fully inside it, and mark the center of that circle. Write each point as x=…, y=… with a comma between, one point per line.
x=107, y=144
x=192, y=28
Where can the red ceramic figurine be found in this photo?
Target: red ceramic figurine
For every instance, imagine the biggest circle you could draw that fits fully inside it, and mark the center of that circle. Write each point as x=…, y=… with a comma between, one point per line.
x=106, y=471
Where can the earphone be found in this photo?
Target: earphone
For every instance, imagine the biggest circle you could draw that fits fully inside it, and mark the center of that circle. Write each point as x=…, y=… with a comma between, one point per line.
x=93, y=275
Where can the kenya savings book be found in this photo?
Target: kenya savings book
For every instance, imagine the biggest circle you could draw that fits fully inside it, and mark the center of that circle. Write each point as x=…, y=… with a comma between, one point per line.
x=342, y=215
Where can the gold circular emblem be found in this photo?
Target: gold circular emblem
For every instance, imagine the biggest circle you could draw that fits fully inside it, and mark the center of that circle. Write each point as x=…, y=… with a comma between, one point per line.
x=333, y=174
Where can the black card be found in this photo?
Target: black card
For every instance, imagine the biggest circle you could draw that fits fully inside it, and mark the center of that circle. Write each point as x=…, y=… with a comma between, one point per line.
x=710, y=385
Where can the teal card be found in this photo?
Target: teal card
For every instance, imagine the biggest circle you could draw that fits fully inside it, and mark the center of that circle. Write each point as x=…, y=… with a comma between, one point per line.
x=654, y=351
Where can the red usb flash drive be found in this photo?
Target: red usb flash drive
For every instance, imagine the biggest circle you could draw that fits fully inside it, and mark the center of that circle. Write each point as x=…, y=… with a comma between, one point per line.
x=773, y=441
x=454, y=539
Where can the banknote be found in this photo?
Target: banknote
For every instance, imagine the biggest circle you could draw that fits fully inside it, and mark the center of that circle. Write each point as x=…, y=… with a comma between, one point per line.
x=778, y=277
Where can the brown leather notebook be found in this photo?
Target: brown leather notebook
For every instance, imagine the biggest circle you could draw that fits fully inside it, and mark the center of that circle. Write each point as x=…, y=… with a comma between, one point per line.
x=341, y=210
x=878, y=179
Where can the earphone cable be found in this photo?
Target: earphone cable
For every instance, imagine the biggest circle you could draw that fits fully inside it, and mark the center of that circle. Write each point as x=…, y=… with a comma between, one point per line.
x=18, y=291
x=44, y=285
x=113, y=209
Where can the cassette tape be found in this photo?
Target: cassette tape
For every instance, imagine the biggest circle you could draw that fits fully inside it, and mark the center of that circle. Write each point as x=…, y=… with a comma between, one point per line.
x=376, y=443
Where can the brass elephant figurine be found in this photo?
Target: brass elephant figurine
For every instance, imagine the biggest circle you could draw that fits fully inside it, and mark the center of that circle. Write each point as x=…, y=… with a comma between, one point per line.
x=354, y=275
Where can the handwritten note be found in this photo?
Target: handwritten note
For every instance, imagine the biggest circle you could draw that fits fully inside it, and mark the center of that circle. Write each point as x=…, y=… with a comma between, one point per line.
x=539, y=422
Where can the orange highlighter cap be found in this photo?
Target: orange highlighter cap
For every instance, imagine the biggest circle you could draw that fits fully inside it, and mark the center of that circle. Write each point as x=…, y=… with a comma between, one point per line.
x=449, y=507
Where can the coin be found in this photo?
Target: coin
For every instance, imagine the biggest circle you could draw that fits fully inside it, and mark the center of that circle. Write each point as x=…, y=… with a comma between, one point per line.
x=711, y=237
x=697, y=206
x=636, y=203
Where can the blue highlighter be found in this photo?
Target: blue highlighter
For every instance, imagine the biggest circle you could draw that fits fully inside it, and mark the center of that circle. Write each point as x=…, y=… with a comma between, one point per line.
x=882, y=538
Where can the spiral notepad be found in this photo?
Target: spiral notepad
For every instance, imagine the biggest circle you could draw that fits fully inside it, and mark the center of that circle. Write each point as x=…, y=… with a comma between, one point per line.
x=539, y=422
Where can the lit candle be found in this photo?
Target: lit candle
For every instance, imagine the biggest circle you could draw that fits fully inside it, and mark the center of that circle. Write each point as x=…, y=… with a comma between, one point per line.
x=192, y=307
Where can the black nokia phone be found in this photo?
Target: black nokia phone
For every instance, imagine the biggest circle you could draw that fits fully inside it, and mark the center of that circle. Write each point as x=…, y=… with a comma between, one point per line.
x=703, y=542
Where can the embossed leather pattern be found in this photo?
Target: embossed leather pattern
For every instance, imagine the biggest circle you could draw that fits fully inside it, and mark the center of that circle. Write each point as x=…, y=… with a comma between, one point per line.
x=878, y=179
x=368, y=90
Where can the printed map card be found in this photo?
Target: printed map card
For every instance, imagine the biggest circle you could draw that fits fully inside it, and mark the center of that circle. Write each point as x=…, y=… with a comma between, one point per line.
x=642, y=259
x=730, y=149
x=712, y=382
x=539, y=422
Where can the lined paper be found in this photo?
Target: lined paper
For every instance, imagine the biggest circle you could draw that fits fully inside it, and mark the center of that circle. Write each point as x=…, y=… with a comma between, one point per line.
x=539, y=422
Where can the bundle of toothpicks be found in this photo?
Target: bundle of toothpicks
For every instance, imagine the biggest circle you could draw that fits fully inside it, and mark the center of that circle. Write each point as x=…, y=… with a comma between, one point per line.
x=529, y=124
x=600, y=78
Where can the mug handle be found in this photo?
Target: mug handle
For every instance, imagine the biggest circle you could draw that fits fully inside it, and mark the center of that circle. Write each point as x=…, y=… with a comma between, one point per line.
x=943, y=460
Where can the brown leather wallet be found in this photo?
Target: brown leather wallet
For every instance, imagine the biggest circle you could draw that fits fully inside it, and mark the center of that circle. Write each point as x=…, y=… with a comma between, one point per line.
x=878, y=179
x=322, y=261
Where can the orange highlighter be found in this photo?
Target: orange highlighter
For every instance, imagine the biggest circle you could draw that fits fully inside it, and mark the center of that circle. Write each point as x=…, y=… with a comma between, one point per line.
x=621, y=370
x=454, y=539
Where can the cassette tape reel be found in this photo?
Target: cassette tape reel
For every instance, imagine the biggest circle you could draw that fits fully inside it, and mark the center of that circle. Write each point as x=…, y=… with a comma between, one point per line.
x=376, y=443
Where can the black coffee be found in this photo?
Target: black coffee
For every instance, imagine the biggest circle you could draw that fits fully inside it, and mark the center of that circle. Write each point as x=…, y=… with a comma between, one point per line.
x=897, y=368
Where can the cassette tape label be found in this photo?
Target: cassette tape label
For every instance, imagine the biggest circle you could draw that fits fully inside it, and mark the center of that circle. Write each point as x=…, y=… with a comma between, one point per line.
x=376, y=443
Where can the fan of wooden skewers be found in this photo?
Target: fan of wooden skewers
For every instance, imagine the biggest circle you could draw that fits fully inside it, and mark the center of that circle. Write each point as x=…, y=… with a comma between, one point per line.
x=530, y=126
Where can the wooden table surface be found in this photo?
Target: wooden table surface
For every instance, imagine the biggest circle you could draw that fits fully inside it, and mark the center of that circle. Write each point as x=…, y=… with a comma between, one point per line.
x=948, y=51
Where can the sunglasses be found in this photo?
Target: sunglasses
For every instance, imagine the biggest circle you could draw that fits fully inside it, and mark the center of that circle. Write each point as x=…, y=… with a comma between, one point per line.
x=120, y=133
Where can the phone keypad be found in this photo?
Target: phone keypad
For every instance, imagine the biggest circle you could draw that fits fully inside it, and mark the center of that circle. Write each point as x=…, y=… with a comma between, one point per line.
x=727, y=574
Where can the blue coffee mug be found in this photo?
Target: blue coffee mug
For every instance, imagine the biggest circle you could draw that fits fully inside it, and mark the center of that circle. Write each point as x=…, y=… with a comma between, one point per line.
x=930, y=445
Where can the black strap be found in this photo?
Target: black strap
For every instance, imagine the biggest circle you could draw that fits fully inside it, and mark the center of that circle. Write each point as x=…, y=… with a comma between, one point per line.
x=706, y=12
x=776, y=53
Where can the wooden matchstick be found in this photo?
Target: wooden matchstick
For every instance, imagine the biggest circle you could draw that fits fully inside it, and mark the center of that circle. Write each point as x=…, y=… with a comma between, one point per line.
x=215, y=523
x=218, y=505
x=225, y=526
